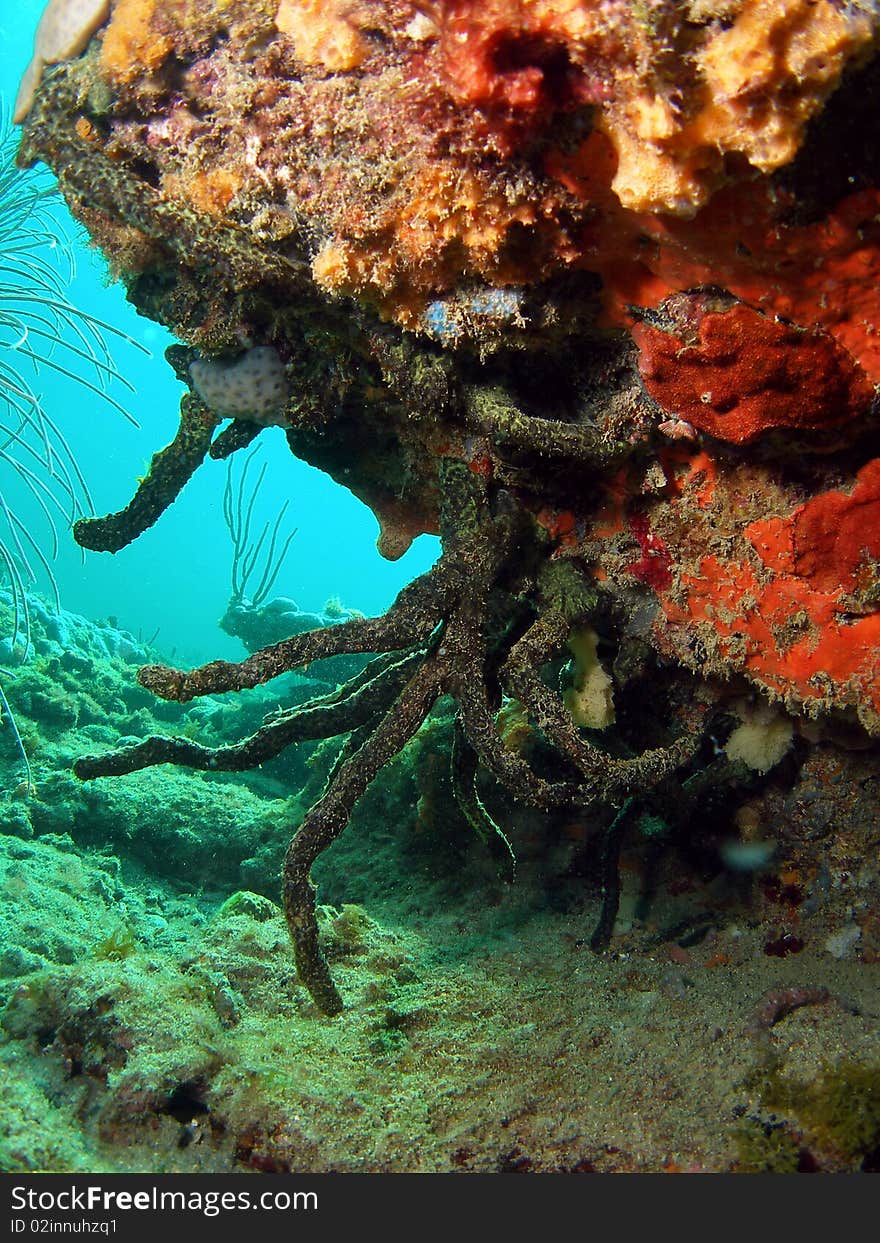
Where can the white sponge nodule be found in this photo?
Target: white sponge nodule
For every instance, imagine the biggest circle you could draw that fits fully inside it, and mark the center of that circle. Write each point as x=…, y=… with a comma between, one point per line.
x=252, y=386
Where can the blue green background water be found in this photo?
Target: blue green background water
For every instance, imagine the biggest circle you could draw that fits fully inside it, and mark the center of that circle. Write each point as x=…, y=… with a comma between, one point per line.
x=175, y=578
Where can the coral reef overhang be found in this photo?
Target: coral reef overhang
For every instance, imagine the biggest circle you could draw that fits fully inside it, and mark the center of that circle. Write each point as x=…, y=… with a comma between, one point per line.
x=590, y=290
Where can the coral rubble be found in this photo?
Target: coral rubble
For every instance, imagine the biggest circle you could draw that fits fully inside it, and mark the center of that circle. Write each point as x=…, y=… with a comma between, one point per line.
x=556, y=280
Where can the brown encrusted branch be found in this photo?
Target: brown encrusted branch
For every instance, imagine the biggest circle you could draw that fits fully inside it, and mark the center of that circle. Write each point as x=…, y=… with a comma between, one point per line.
x=327, y=819
x=607, y=778
x=491, y=410
x=446, y=634
x=442, y=671
x=355, y=704
x=464, y=767
x=508, y=767
x=412, y=617
x=612, y=844
x=170, y=469
x=238, y=435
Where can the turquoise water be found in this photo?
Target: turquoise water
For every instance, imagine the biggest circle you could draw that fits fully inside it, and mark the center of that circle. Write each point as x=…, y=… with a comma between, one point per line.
x=176, y=577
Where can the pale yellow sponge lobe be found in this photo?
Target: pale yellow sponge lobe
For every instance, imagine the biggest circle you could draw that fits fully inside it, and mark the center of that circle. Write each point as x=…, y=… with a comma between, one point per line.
x=63, y=32
x=763, y=737
x=772, y=70
x=589, y=699
x=324, y=33
x=757, y=84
